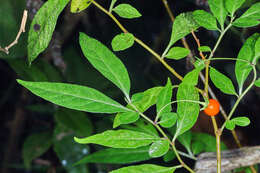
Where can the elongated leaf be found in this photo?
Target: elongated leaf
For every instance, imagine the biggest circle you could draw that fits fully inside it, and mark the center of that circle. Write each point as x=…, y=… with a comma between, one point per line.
x=205, y=19
x=159, y=148
x=247, y=52
x=177, y=53
x=119, y=139
x=164, y=98
x=117, y=156
x=233, y=5
x=34, y=146
x=125, y=118
x=74, y=97
x=250, y=17
x=126, y=11
x=42, y=27
x=182, y=26
x=218, y=10
x=79, y=5
x=105, y=62
x=204, y=49
x=167, y=120
x=122, y=41
x=145, y=168
x=222, y=82
x=241, y=121
x=187, y=111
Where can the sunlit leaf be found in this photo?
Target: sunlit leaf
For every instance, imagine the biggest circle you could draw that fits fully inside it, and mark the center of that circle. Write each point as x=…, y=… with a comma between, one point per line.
x=126, y=11
x=167, y=120
x=233, y=5
x=218, y=10
x=204, y=49
x=122, y=41
x=164, y=98
x=125, y=118
x=159, y=148
x=145, y=168
x=177, y=53
x=79, y=5
x=205, y=19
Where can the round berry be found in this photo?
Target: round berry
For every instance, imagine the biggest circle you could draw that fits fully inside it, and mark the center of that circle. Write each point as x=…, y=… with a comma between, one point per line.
x=213, y=108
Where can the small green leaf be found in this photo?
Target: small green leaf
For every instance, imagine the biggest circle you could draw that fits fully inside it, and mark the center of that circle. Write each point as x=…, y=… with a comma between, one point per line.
x=79, y=5
x=105, y=62
x=241, y=121
x=222, y=82
x=42, y=27
x=192, y=77
x=125, y=118
x=257, y=49
x=204, y=49
x=164, y=98
x=182, y=26
x=122, y=41
x=199, y=64
x=185, y=140
x=126, y=11
x=167, y=120
x=218, y=10
x=205, y=19
x=257, y=82
x=197, y=147
x=230, y=125
x=145, y=169
x=117, y=156
x=233, y=5
x=250, y=17
x=169, y=156
x=159, y=148
x=34, y=146
x=119, y=139
x=177, y=53
x=74, y=97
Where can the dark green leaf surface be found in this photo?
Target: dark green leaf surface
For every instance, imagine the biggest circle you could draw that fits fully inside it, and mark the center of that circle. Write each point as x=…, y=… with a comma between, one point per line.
x=164, y=98
x=119, y=139
x=250, y=17
x=222, y=82
x=79, y=5
x=74, y=97
x=177, y=53
x=117, y=156
x=42, y=27
x=197, y=147
x=34, y=146
x=126, y=11
x=185, y=140
x=145, y=169
x=205, y=19
x=122, y=41
x=159, y=148
x=105, y=62
x=169, y=156
x=167, y=120
x=218, y=10
x=233, y=5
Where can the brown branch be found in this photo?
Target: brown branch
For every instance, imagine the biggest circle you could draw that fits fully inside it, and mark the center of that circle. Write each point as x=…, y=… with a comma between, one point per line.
x=21, y=30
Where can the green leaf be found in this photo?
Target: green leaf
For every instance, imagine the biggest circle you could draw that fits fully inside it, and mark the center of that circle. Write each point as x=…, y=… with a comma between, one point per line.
x=197, y=147
x=164, y=98
x=257, y=49
x=182, y=26
x=204, y=49
x=233, y=5
x=192, y=77
x=247, y=53
x=159, y=148
x=79, y=5
x=177, y=53
x=125, y=118
x=241, y=121
x=230, y=125
x=119, y=139
x=145, y=168
x=187, y=111
x=74, y=120
x=222, y=82
x=169, y=156
x=122, y=41
x=257, y=82
x=205, y=19
x=42, y=27
x=126, y=11
x=167, y=120
x=199, y=64
x=250, y=17
x=117, y=156
x=74, y=97
x=218, y=10
x=105, y=62
x=34, y=146
x=185, y=140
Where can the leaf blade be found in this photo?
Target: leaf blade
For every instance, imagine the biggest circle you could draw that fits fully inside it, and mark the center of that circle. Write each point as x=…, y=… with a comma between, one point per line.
x=127, y=11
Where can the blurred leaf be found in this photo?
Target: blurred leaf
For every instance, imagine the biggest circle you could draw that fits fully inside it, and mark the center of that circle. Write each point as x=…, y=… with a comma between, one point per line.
x=168, y=119
x=199, y=64
x=182, y=26
x=233, y=5
x=230, y=125
x=197, y=147
x=185, y=140
x=119, y=139
x=218, y=10
x=205, y=19
x=122, y=41
x=117, y=156
x=177, y=53
x=250, y=17
x=257, y=82
x=105, y=62
x=204, y=49
x=169, y=156
x=79, y=5
x=187, y=111
x=126, y=11
x=34, y=146
x=145, y=168
x=74, y=120
x=74, y=96
x=41, y=108
x=222, y=82
x=241, y=121
x=125, y=118
x=159, y=148
x=42, y=27
x=164, y=98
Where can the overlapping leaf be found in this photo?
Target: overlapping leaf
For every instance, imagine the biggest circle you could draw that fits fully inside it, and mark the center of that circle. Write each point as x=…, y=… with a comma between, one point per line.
x=205, y=19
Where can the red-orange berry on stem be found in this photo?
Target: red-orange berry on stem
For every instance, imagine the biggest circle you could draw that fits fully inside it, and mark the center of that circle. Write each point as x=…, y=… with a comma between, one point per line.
x=213, y=108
